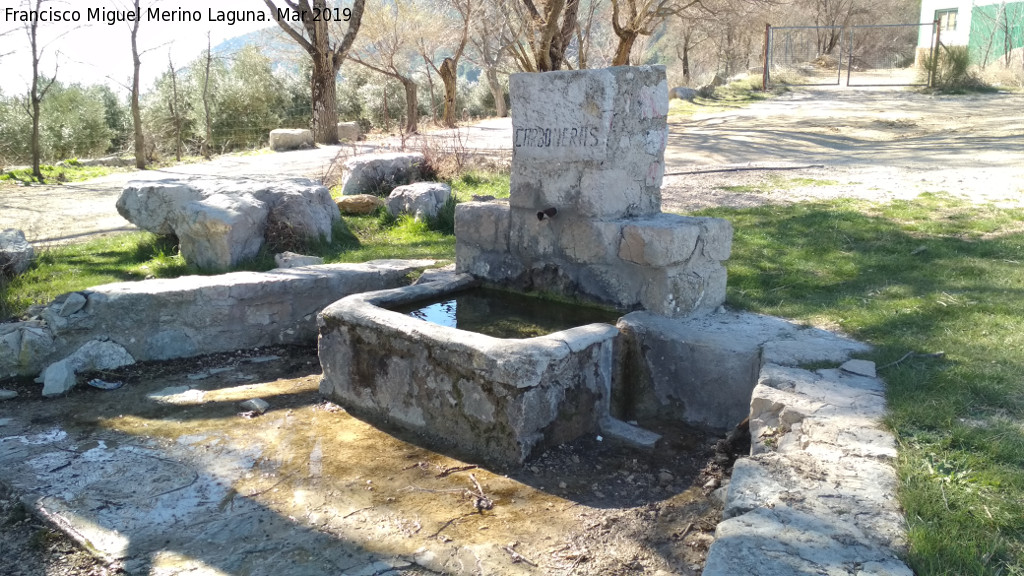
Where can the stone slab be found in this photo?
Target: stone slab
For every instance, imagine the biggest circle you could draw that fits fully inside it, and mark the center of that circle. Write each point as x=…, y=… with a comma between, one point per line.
x=191, y=315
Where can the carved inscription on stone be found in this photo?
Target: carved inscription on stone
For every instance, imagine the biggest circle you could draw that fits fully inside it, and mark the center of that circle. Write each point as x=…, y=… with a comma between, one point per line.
x=575, y=137
x=561, y=117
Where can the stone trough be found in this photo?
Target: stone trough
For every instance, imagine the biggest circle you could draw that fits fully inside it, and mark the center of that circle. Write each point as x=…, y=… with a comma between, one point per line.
x=494, y=400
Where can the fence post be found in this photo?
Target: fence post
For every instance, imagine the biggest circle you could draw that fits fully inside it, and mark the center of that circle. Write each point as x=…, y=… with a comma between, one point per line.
x=933, y=70
x=765, y=75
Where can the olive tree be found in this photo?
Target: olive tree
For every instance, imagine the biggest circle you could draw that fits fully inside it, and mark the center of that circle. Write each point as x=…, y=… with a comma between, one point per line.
x=327, y=54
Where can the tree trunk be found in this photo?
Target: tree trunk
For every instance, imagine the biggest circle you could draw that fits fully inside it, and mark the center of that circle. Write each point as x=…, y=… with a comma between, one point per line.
x=206, y=100
x=499, y=95
x=448, y=76
x=36, y=172
x=430, y=86
x=626, y=39
x=411, y=106
x=175, y=109
x=140, y=141
x=35, y=99
x=323, y=91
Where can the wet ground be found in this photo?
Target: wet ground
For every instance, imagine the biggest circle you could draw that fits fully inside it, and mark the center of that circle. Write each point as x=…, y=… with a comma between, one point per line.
x=170, y=475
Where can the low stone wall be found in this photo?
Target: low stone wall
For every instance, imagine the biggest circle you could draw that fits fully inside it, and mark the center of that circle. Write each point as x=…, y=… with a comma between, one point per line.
x=703, y=370
x=665, y=263
x=193, y=315
x=818, y=493
x=491, y=399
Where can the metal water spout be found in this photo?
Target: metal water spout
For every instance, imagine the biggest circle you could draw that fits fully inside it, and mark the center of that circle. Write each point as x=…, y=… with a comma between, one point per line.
x=547, y=212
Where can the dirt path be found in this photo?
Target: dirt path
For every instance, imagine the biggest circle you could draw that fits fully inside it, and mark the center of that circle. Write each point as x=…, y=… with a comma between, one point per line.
x=870, y=144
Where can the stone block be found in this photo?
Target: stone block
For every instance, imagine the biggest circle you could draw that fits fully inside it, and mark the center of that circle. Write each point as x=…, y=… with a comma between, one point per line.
x=589, y=142
x=683, y=289
x=811, y=345
x=283, y=139
x=422, y=200
x=588, y=241
x=531, y=239
x=359, y=204
x=58, y=379
x=16, y=254
x=349, y=132
x=681, y=371
x=221, y=231
x=483, y=224
x=662, y=240
x=379, y=174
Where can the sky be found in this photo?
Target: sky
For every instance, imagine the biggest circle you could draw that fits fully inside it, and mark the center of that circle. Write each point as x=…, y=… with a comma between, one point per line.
x=91, y=52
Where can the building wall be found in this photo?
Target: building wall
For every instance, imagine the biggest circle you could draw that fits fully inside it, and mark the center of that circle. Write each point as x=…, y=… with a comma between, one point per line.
x=996, y=29
x=961, y=35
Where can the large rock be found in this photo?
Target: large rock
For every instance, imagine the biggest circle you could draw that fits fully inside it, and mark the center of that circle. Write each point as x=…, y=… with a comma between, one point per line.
x=220, y=222
x=359, y=204
x=16, y=253
x=59, y=377
x=379, y=174
x=290, y=139
x=349, y=131
x=422, y=199
x=682, y=93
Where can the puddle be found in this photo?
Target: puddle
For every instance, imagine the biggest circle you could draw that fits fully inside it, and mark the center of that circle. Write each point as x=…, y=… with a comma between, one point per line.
x=503, y=314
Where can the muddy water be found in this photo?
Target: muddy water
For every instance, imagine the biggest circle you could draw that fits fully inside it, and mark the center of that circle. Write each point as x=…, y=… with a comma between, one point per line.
x=584, y=508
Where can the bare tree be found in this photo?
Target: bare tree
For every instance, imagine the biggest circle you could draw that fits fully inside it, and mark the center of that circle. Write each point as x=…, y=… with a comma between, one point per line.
x=448, y=71
x=634, y=18
x=208, y=138
x=387, y=46
x=327, y=55
x=174, y=106
x=39, y=85
x=140, y=140
x=492, y=34
x=550, y=27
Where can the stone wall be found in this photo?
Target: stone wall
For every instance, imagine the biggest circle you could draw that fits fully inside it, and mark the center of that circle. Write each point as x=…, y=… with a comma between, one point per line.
x=193, y=315
x=584, y=215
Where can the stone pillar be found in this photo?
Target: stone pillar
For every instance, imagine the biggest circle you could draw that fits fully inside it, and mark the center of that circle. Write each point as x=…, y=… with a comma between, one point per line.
x=584, y=216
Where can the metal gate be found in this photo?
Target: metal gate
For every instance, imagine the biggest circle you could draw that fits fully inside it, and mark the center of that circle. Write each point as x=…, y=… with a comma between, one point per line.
x=805, y=55
x=872, y=55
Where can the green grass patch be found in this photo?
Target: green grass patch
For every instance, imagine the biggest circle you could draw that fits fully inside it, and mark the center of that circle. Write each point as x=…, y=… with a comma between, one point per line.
x=58, y=174
x=733, y=96
x=138, y=255
x=928, y=275
x=481, y=184
x=775, y=182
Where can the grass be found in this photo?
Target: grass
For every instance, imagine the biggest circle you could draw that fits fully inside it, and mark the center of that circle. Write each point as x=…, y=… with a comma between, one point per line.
x=57, y=174
x=135, y=256
x=739, y=94
x=927, y=275
x=776, y=182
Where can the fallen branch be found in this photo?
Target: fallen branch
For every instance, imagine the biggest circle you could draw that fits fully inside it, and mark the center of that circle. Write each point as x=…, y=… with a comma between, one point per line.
x=912, y=354
x=480, y=500
x=516, y=556
x=745, y=169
